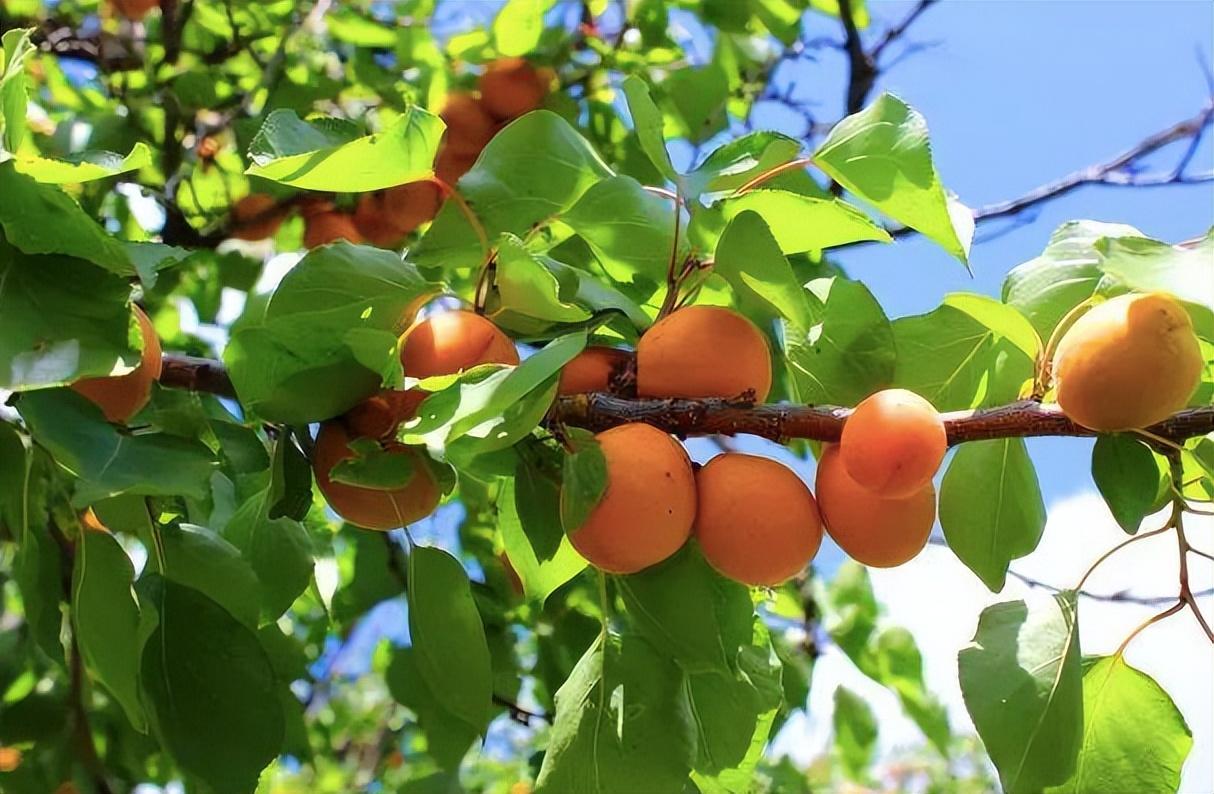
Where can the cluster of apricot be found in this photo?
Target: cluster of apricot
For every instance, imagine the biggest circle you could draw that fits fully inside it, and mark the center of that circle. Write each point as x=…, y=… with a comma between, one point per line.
x=508, y=88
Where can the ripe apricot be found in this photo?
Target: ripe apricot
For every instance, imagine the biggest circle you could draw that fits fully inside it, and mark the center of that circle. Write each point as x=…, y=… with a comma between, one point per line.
x=370, y=507
x=444, y=344
x=469, y=127
x=323, y=228
x=134, y=10
x=756, y=521
x=451, y=165
x=378, y=416
x=256, y=217
x=511, y=87
x=1128, y=363
x=893, y=443
x=122, y=396
x=592, y=370
x=386, y=216
x=646, y=512
x=872, y=529
x=703, y=351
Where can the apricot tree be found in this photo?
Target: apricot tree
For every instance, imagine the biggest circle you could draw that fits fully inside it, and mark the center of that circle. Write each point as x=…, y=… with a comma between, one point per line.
x=461, y=318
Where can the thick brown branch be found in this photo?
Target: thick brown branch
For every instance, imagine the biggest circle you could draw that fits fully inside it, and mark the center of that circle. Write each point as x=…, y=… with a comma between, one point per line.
x=773, y=421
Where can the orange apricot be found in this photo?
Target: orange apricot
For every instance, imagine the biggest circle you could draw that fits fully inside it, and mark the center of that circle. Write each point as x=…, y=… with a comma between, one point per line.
x=646, y=511
x=877, y=531
x=378, y=416
x=451, y=165
x=134, y=10
x=256, y=217
x=893, y=443
x=122, y=396
x=704, y=351
x=469, y=127
x=386, y=216
x=592, y=370
x=322, y=228
x=444, y=344
x=1128, y=363
x=756, y=521
x=372, y=508
x=511, y=87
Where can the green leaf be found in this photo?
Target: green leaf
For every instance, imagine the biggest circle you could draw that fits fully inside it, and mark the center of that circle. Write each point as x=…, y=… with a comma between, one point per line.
x=290, y=480
x=532, y=171
x=42, y=219
x=210, y=688
x=855, y=733
x=350, y=26
x=693, y=102
x=882, y=155
x=322, y=155
x=60, y=319
x=105, y=618
x=749, y=258
x=956, y=361
x=1134, y=737
x=853, y=615
x=583, y=479
x=448, y=636
x=37, y=566
x=448, y=737
x=278, y=550
x=901, y=669
x=622, y=724
x=87, y=167
x=1126, y=476
x=373, y=577
x=199, y=558
x=859, y=10
x=15, y=48
x=308, y=359
x=846, y=351
x=374, y=467
x=648, y=123
x=518, y=25
x=1146, y=265
x=737, y=162
x=530, y=521
x=1004, y=320
x=1022, y=685
x=532, y=293
x=806, y=223
x=689, y=612
x=108, y=460
x=991, y=509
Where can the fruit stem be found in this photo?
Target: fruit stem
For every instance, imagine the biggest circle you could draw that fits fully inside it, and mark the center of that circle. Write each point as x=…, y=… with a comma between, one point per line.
x=1045, y=361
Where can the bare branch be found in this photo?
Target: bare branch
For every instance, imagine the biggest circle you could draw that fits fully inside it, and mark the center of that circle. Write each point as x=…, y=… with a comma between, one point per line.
x=1120, y=597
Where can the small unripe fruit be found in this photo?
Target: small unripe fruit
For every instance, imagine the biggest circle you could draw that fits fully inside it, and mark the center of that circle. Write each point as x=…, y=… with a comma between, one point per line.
x=704, y=351
x=469, y=127
x=893, y=443
x=121, y=397
x=134, y=10
x=380, y=415
x=1128, y=363
x=592, y=370
x=874, y=530
x=444, y=344
x=756, y=521
x=256, y=217
x=511, y=87
x=372, y=508
x=385, y=217
x=323, y=228
x=646, y=512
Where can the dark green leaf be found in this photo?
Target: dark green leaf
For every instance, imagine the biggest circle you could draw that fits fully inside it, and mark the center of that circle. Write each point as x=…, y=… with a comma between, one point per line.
x=530, y=522
x=373, y=578
x=448, y=737
x=1126, y=475
x=374, y=467
x=583, y=479
x=647, y=121
x=277, y=549
x=198, y=558
x=693, y=101
x=290, y=480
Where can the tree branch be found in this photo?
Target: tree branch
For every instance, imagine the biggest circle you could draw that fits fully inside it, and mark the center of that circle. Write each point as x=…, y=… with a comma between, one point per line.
x=777, y=422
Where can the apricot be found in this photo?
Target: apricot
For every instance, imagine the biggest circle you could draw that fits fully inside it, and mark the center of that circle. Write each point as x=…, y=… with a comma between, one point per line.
x=647, y=509
x=323, y=228
x=873, y=529
x=1127, y=363
x=592, y=370
x=91, y=523
x=444, y=344
x=469, y=127
x=452, y=165
x=756, y=521
x=386, y=216
x=256, y=217
x=372, y=508
x=134, y=10
x=893, y=443
x=704, y=351
x=511, y=87
x=122, y=396
x=379, y=415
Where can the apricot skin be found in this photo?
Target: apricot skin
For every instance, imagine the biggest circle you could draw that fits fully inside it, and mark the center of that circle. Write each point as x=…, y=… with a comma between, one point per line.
x=511, y=87
x=446, y=343
x=469, y=127
x=323, y=228
x=592, y=370
x=703, y=351
x=121, y=397
x=378, y=416
x=646, y=512
x=756, y=521
x=385, y=217
x=893, y=443
x=254, y=217
x=134, y=10
x=876, y=531
x=368, y=507
x=1127, y=363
